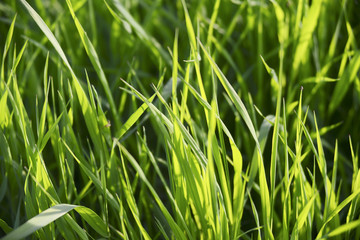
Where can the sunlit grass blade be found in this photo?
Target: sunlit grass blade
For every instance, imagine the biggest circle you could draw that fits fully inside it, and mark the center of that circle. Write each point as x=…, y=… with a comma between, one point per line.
x=53, y=213
x=343, y=229
x=174, y=226
x=344, y=83
x=275, y=137
x=233, y=96
x=88, y=112
x=91, y=52
x=149, y=40
x=336, y=211
x=194, y=50
x=309, y=24
x=302, y=218
x=6, y=49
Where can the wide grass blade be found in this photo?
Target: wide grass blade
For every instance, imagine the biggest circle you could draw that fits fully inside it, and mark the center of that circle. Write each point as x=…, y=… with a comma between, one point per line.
x=50, y=215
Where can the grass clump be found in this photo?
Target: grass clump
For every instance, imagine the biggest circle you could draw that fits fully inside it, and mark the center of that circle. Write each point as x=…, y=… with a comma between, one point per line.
x=179, y=119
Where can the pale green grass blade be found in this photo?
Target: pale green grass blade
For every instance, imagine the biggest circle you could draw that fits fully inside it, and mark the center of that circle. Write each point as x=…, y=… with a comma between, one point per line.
x=39, y=221
x=53, y=213
x=42, y=25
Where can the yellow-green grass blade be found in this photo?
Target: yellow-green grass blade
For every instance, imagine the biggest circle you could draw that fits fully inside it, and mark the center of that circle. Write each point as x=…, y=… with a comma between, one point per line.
x=287, y=199
x=86, y=168
x=344, y=83
x=153, y=44
x=345, y=228
x=275, y=138
x=213, y=18
x=209, y=178
x=336, y=211
x=194, y=51
x=137, y=114
x=129, y=195
x=163, y=180
x=41, y=124
x=51, y=214
x=309, y=24
x=239, y=186
x=87, y=110
x=6, y=49
x=301, y=219
x=233, y=96
x=177, y=153
x=178, y=233
x=5, y=227
x=93, y=56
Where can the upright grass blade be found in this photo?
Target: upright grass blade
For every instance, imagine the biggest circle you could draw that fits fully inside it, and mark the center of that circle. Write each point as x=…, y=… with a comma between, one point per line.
x=91, y=52
x=309, y=24
x=6, y=49
x=194, y=51
x=153, y=44
x=302, y=218
x=176, y=229
x=344, y=83
x=87, y=110
x=275, y=138
x=233, y=96
x=337, y=210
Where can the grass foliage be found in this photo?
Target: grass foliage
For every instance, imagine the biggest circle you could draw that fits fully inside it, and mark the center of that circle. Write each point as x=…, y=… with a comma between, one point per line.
x=179, y=119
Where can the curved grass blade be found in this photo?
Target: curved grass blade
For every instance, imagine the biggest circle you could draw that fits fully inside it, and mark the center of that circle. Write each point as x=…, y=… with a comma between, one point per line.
x=87, y=110
x=343, y=229
x=51, y=214
x=91, y=52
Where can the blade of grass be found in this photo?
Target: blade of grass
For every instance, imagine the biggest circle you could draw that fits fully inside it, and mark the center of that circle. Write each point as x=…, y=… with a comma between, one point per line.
x=91, y=52
x=53, y=213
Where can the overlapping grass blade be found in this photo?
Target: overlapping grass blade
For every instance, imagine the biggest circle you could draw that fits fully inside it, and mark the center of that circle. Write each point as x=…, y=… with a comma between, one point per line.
x=87, y=110
x=53, y=213
x=91, y=52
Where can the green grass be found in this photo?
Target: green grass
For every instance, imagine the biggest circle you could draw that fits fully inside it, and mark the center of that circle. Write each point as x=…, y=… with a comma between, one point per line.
x=179, y=119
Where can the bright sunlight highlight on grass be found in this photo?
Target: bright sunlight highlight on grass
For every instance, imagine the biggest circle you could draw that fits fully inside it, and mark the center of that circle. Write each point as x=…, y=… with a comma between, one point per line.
x=164, y=119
